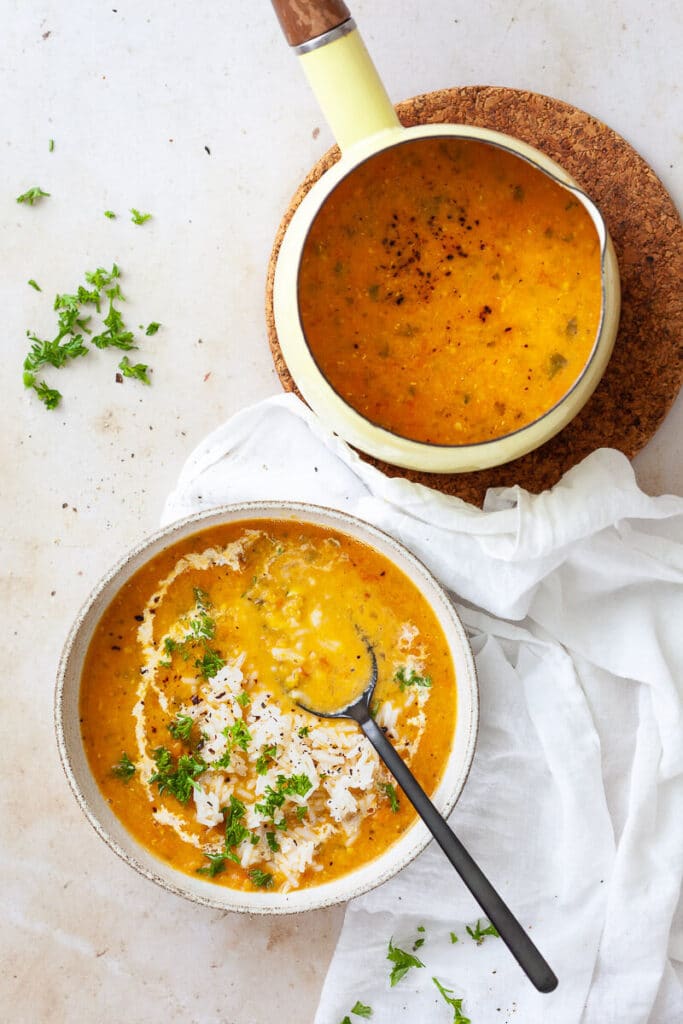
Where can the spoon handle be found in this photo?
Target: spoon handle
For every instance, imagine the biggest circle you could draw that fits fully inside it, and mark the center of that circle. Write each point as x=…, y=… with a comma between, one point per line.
x=510, y=930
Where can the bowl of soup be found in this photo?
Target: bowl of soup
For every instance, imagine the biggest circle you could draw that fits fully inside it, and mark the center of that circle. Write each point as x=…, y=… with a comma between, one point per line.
x=446, y=297
x=179, y=720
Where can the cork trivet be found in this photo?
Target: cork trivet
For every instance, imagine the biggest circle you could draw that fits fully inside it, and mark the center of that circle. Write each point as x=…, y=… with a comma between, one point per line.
x=646, y=369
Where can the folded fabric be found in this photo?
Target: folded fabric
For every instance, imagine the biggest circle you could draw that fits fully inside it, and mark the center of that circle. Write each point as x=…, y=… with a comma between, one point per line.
x=573, y=600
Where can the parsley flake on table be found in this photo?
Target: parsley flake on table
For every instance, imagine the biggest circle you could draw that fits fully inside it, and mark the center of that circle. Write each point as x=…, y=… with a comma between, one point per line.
x=454, y=938
x=32, y=195
x=110, y=214
x=50, y=397
x=406, y=678
x=34, y=284
x=135, y=370
x=402, y=962
x=447, y=993
x=51, y=146
x=139, y=218
x=390, y=791
x=124, y=769
x=152, y=328
x=361, y=1010
x=478, y=934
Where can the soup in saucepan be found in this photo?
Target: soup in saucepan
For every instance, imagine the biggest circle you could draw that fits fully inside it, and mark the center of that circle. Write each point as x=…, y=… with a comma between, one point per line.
x=449, y=291
x=189, y=720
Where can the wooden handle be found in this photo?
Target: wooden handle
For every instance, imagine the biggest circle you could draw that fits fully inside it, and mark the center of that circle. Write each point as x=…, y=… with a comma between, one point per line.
x=303, y=20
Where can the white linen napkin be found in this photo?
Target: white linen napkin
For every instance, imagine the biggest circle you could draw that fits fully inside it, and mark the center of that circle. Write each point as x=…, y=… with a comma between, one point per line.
x=574, y=808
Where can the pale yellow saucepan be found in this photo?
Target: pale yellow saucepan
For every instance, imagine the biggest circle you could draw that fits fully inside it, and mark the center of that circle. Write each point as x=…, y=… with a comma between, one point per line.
x=364, y=122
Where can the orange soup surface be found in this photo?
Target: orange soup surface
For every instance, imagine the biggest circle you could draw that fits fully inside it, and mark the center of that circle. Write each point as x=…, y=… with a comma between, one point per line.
x=188, y=715
x=449, y=291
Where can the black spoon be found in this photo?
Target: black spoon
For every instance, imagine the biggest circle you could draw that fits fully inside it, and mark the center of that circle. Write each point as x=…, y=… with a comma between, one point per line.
x=510, y=930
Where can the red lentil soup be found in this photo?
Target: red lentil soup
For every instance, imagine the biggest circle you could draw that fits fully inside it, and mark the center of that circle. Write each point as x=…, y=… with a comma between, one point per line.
x=189, y=720
x=449, y=291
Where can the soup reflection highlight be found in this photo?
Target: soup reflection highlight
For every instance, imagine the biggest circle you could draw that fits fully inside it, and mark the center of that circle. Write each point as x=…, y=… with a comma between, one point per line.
x=449, y=291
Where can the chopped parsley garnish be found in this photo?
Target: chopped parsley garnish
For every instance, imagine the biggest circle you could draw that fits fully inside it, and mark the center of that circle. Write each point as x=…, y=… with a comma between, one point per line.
x=243, y=699
x=211, y=664
x=136, y=370
x=304, y=731
x=301, y=812
x=152, y=328
x=181, y=728
x=51, y=146
x=272, y=842
x=478, y=934
x=294, y=785
x=124, y=769
x=238, y=735
x=267, y=755
x=261, y=878
x=454, y=938
x=139, y=218
x=406, y=678
x=216, y=864
x=418, y=942
x=178, y=780
x=201, y=597
x=447, y=993
x=390, y=791
x=361, y=1010
x=402, y=962
x=32, y=195
x=203, y=627
x=34, y=284
x=235, y=831
x=112, y=216
x=53, y=353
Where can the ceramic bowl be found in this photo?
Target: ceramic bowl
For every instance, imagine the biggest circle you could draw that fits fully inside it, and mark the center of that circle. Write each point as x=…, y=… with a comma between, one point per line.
x=108, y=826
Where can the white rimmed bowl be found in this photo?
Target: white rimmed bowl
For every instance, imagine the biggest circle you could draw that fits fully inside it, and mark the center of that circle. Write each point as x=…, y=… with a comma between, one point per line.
x=108, y=826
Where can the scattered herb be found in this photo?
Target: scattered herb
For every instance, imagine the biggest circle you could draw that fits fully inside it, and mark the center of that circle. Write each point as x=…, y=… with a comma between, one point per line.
x=178, y=780
x=402, y=962
x=235, y=832
x=48, y=396
x=272, y=842
x=447, y=993
x=32, y=195
x=295, y=785
x=404, y=678
x=112, y=216
x=478, y=933
x=390, y=791
x=301, y=812
x=238, y=735
x=203, y=627
x=418, y=943
x=243, y=699
x=361, y=1010
x=139, y=218
x=267, y=755
x=420, y=927
x=124, y=769
x=51, y=146
x=216, y=864
x=261, y=878
x=136, y=370
x=201, y=597
x=34, y=284
x=152, y=328
x=210, y=665
x=454, y=938
x=181, y=728
x=304, y=731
